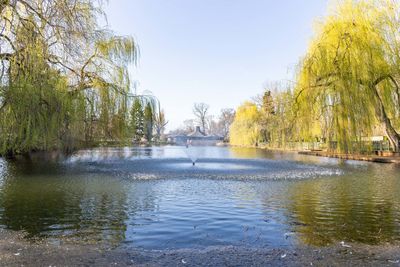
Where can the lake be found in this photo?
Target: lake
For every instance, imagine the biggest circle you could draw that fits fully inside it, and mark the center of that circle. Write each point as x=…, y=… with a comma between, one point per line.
x=154, y=198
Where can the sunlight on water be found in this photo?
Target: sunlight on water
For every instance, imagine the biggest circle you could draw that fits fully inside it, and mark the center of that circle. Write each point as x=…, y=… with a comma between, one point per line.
x=212, y=166
x=155, y=198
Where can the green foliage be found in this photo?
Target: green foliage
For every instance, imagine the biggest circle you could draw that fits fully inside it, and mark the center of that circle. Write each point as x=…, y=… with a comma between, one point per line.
x=36, y=106
x=148, y=122
x=137, y=120
x=64, y=80
x=35, y=116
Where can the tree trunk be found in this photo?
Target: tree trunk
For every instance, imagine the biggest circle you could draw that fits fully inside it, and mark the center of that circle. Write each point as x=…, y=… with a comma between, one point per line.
x=394, y=137
x=392, y=134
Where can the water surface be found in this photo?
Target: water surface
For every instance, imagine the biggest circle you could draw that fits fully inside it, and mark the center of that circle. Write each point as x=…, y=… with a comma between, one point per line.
x=154, y=198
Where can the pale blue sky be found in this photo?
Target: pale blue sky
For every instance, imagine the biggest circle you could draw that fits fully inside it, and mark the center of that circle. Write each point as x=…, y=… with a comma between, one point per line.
x=220, y=52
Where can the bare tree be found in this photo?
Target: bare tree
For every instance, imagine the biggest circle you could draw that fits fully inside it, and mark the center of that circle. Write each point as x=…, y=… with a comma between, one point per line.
x=188, y=126
x=211, y=125
x=225, y=120
x=160, y=122
x=200, y=111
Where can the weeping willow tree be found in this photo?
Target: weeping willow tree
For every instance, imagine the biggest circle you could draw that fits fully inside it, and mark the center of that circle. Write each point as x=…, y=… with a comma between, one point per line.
x=348, y=82
x=279, y=117
x=63, y=76
x=35, y=101
x=245, y=129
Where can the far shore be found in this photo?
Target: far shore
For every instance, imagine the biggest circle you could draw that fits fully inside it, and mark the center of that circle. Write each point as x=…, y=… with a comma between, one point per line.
x=378, y=157
x=359, y=157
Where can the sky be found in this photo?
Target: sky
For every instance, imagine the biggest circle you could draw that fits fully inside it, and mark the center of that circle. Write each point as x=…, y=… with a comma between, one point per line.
x=220, y=52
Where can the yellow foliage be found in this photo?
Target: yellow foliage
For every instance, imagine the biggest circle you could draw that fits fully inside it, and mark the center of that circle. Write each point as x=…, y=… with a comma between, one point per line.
x=245, y=130
x=347, y=78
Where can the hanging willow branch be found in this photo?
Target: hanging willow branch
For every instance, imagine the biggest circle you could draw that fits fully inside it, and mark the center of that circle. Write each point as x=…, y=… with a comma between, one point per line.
x=351, y=59
x=65, y=80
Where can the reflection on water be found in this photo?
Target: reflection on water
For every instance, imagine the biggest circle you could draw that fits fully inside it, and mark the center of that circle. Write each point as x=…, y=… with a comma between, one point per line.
x=360, y=207
x=155, y=198
x=74, y=207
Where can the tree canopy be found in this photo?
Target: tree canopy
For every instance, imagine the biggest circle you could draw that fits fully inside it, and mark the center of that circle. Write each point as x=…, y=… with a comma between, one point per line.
x=349, y=76
x=347, y=85
x=245, y=129
x=64, y=78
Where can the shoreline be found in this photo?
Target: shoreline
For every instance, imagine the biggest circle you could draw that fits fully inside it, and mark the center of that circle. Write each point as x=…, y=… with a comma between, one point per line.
x=321, y=153
x=359, y=157
x=15, y=250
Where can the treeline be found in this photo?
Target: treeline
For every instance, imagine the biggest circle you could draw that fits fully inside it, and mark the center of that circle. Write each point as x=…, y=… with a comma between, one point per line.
x=347, y=86
x=64, y=81
x=209, y=124
x=147, y=121
x=268, y=119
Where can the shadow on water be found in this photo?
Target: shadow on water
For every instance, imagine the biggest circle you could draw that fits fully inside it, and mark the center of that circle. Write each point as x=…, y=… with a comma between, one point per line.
x=154, y=198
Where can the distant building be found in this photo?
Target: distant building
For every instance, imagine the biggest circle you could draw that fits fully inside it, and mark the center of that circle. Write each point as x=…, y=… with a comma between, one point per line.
x=197, y=137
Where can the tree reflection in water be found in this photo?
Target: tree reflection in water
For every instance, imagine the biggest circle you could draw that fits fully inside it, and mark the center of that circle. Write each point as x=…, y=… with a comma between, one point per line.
x=152, y=198
x=359, y=207
x=45, y=200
